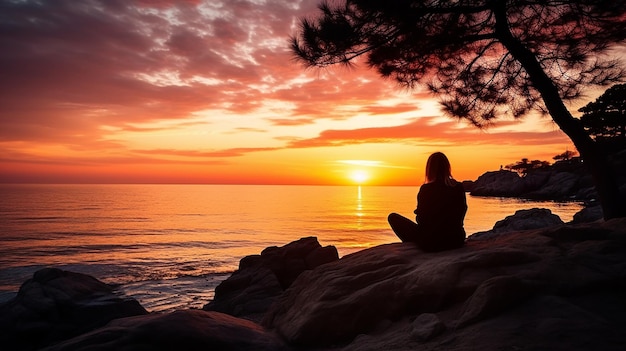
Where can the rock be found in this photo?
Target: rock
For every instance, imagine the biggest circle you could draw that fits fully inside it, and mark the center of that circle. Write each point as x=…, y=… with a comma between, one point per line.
x=260, y=279
x=534, y=218
x=369, y=286
x=426, y=326
x=535, y=180
x=587, y=194
x=179, y=330
x=498, y=183
x=55, y=305
x=560, y=185
x=588, y=214
x=554, y=288
x=468, y=185
x=492, y=297
x=521, y=291
x=563, y=180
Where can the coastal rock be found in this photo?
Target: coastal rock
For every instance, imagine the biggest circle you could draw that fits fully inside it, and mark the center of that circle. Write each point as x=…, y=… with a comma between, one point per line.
x=382, y=283
x=588, y=214
x=180, y=330
x=555, y=288
x=426, y=326
x=563, y=180
x=260, y=279
x=55, y=305
x=539, y=184
x=468, y=185
x=525, y=290
x=498, y=183
x=559, y=185
x=535, y=180
x=534, y=218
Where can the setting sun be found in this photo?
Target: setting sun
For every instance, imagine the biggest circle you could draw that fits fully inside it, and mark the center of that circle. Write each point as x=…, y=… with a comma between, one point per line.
x=359, y=176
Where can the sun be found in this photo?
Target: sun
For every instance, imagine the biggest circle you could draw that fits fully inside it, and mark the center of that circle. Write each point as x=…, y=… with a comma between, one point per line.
x=359, y=176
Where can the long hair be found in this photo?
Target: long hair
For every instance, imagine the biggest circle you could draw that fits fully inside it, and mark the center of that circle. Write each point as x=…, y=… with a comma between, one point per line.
x=438, y=169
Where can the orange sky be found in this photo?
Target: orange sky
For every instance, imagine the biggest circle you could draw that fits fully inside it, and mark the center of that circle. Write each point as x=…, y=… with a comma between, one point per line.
x=159, y=91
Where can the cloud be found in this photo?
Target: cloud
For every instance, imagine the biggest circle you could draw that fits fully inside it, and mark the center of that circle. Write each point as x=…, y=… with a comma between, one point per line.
x=71, y=66
x=233, y=152
x=291, y=121
x=428, y=130
x=379, y=110
x=370, y=164
x=81, y=78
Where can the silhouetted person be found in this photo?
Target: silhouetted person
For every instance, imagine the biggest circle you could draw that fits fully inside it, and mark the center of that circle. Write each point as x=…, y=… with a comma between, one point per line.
x=441, y=208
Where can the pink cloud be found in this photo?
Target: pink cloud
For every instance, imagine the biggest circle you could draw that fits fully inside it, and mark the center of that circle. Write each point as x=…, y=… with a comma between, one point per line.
x=233, y=152
x=70, y=67
x=426, y=130
x=63, y=60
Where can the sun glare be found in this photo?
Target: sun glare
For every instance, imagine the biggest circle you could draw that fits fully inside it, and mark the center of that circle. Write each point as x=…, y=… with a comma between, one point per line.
x=359, y=176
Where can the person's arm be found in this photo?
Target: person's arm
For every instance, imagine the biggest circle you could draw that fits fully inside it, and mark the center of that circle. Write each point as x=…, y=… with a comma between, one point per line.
x=424, y=208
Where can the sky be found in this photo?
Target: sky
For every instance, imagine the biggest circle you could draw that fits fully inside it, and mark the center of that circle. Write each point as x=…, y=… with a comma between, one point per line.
x=164, y=91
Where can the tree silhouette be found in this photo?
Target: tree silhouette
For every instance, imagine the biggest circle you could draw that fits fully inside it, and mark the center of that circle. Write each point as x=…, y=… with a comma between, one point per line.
x=485, y=58
x=525, y=166
x=605, y=118
x=565, y=156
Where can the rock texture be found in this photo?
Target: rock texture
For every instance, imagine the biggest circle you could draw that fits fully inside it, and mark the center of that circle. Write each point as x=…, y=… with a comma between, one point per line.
x=180, y=330
x=55, y=305
x=562, y=287
x=542, y=289
x=564, y=180
x=534, y=218
x=588, y=214
x=260, y=279
x=499, y=183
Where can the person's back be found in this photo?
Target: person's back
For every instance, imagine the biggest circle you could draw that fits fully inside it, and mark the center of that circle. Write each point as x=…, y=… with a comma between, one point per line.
x=441, y=208
x=439, y=214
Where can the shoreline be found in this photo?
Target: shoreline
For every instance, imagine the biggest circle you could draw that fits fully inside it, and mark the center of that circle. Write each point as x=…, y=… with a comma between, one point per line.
x=509, y=282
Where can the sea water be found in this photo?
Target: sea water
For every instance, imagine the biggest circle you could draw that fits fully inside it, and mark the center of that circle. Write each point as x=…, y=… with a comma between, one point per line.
x=169, y=246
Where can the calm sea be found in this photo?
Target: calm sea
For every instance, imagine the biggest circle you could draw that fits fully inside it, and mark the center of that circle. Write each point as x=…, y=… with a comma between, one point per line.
x=170, y=245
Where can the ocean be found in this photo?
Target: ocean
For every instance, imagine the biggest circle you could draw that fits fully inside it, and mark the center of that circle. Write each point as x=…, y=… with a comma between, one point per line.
x=169, y=246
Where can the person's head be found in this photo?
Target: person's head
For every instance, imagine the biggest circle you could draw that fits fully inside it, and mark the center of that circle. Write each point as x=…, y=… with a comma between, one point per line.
x=438, y=169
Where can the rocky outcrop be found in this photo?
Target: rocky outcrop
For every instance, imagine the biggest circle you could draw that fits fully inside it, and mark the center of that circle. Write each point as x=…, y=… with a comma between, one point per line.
x=588, y=214
x=534, y=218
x=564, y=180
x=260, y=279
x=56, y=305
x=540, y=185
x=180, y=330
x=554, y=288
x=542, y=288
x=499, y=183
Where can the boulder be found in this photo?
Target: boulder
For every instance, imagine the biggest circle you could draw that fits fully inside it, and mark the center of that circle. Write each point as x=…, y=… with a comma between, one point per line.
x=260, y=279
x=560, y=185
x=499, y=183
x=386, y=282
x=588, y=214
x=180, y=330
x=56, y=305
x=536, y=179
x=553, y=288
x=534, y=218
x=564, y=180
x=533, y=289
x=426, y=326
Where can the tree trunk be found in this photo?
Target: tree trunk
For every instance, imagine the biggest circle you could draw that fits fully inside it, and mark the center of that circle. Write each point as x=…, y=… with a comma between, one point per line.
x=613, y=204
